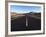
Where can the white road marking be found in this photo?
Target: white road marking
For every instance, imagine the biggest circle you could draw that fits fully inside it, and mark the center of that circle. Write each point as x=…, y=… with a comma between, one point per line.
x=26, y=22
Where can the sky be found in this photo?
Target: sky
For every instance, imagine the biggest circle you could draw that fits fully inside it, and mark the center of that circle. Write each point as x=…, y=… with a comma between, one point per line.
x=25, y=9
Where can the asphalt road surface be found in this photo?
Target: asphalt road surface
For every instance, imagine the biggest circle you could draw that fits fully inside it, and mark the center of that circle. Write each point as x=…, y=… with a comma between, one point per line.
x=19, y=24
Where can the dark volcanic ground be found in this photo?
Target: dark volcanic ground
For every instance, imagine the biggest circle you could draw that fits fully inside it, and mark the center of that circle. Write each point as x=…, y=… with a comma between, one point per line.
x=19, y=24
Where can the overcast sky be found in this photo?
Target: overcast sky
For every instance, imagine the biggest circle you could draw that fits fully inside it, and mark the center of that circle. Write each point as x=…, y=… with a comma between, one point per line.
x=25, y=9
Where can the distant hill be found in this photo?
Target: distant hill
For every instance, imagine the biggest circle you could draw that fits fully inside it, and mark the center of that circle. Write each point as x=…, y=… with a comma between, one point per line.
x=30, y=13
x=36, y=14
x=15, y=15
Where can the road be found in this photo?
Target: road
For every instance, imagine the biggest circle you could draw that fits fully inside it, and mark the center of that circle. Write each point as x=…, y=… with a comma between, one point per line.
x=19, y=24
